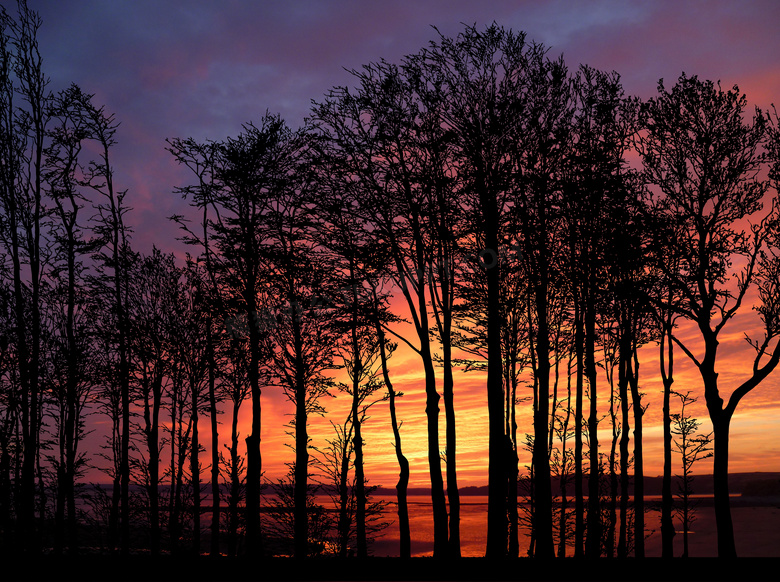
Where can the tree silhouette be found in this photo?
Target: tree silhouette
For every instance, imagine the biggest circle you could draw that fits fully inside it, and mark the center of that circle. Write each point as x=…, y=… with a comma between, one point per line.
x=483, y=76
x=376, y=128
x=68, y=299
x=352, y=263
x=234, y=387
x=239, y=179
x=303, y=336
x=157, y=293
x=702, y=155
x=479, y=184
x=25, y=114
x=541, y=140
x=692, y=447
x=380, y=316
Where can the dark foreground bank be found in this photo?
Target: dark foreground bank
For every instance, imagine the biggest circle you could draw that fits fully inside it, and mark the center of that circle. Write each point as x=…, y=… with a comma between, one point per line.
x=169, y=569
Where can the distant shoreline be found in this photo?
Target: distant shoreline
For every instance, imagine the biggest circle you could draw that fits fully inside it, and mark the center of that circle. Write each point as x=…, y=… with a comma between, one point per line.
x=753, y=484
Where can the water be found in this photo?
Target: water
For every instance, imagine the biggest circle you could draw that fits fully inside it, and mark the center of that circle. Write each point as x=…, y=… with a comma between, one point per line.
x=756, y=529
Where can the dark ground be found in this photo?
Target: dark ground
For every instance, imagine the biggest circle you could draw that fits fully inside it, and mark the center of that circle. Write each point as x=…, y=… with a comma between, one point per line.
x=167, y=569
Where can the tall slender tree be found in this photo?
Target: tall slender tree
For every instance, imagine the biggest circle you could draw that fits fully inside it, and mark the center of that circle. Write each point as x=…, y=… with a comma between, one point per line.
x=375, y=126
x=304, y=336
x=239, y=179
x=703, y=155
x=25, y=115
x=69, y=305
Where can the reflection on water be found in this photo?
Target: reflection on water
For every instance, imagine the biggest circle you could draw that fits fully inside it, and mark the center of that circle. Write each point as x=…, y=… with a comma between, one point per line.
x=756, y=529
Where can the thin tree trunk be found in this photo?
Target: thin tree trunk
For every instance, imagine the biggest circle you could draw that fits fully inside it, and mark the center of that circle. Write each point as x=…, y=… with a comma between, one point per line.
x=497, y=527
x=215, y=497
x=667, y=501
x=453, y=496
x=195, y=466
x=300, y=511
x=253, y=455
x=513, y=468
x=593, y=541
x=541, y=459
x=624, y=364
x=360, y=482
x=344, y=521
x=235, y=484
x=564, y=477
x=579, y=493
x=405, y=550
x=639, y=471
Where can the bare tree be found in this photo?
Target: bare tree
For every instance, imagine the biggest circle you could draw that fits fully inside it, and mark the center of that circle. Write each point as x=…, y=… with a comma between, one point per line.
x=69, y=298
x=376, y=128
x=692, y=447
x=703, y=156
x=24, y=133
x=238, y=180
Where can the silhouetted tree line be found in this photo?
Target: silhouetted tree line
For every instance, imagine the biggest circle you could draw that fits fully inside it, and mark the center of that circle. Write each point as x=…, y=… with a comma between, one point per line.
x=540, y=226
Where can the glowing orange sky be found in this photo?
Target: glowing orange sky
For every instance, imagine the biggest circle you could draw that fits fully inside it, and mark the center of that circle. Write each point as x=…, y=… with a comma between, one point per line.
x=753, y=447
x=180, y=69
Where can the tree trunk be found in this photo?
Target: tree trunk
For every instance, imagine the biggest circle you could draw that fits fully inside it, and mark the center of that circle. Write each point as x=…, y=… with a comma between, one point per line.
x=344, y=521
x=497, y=527
x=360, y=483
x=300, y=512
x=438, y=502
x=253, y=457
x=720, y=475
x=639, y=470
x=667, y=501
x=235, y=485
x=405, y=549
x=453, y=496
x=593, y=541
x=215, y=500
x=541, y=459
x=513, y=468
x=195, y=466
x=579, y=493
x=623, y=377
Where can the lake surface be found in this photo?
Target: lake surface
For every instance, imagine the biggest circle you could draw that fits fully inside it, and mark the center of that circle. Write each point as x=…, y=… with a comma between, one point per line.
x=756, y=529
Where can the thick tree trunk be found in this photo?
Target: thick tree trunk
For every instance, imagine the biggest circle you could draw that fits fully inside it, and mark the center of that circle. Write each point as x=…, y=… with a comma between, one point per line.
x=721, y=421
x=720, y=475
x=438, y=501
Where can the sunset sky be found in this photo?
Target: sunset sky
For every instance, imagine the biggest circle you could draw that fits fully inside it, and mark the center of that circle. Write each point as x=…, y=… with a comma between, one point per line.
x=203, y=68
